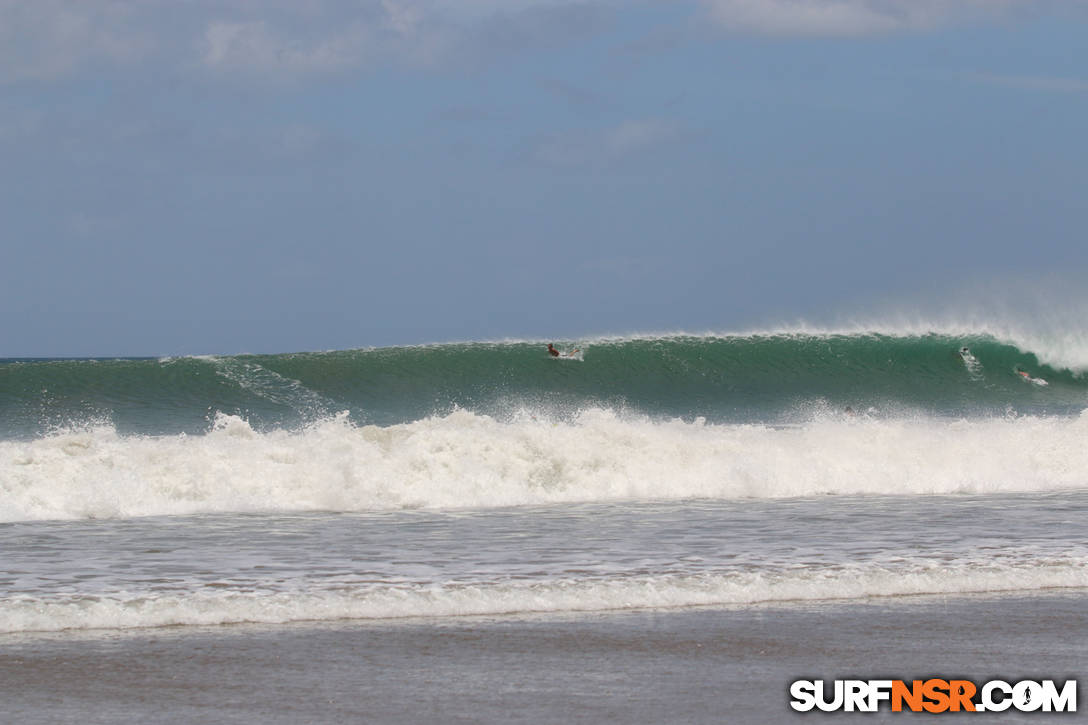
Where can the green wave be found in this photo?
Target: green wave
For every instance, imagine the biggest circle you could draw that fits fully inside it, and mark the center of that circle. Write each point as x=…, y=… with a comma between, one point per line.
x=754, y=378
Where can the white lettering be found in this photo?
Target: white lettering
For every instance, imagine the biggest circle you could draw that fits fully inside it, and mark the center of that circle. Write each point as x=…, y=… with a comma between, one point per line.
x=879, y=691
x=996, y=705
x=821, y=698
x=1027, y=696
x=1065, y=701
x=803, y=693
x=856, y=696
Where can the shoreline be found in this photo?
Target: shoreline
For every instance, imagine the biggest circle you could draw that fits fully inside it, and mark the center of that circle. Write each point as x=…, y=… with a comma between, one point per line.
x=634, y=666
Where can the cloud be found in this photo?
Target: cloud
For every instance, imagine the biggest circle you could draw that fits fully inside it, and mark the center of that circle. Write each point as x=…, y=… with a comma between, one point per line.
x=273, y=39
x=47, y=39
x=850, y=17
x=574, y=95
x=633, y=135
x=255, y=46
x=71, y=147
x=626, y=139
x=288, y=40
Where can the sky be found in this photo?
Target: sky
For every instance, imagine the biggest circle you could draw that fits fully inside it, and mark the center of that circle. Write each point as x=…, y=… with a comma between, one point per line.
x=220, y=177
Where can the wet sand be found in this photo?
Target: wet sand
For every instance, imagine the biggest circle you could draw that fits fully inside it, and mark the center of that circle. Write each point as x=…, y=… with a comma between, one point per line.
x=652, y=666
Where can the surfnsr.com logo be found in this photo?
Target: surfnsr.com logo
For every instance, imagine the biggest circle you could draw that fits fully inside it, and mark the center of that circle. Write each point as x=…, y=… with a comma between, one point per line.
x=933, y=695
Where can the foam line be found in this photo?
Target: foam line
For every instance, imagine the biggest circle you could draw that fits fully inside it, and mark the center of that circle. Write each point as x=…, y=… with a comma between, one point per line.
x=469, y=460
x=203, y=607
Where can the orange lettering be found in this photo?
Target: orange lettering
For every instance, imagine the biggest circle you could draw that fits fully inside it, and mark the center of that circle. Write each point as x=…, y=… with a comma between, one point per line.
x=936, y=691
x=912, y=695
x=961, y=692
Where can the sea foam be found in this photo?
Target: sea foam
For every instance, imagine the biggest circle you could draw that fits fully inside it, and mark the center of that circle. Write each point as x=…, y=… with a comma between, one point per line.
x=215, y=607
x=471, y=460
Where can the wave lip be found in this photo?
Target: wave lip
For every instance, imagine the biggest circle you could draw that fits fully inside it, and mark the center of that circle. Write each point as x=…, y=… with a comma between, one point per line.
x=468, y=460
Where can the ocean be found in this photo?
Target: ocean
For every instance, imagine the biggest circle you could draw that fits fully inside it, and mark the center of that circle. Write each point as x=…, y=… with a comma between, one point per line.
x=665, y=524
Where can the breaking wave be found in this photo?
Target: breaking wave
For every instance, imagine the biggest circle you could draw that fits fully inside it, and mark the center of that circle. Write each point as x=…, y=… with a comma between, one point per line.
x=471, y=460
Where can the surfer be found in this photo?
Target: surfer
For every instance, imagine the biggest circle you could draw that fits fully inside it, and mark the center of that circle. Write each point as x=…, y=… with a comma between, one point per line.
x=1024, y=374
x=555, y=353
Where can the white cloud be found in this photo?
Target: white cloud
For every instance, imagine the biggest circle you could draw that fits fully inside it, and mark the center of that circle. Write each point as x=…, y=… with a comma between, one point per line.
x=850, y=17
x=254, y=46
x=44, y=39
x=48, y=38
x=322, y=36
x=626, y=139
x=403, y=17
x=633, y=135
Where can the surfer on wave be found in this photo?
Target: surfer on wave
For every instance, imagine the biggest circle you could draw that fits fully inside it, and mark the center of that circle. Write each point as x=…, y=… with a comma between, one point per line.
x=1027, y=377
x=555, y=353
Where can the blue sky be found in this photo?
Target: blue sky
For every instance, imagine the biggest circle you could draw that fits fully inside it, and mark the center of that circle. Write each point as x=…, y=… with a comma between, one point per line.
x=213, y=177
